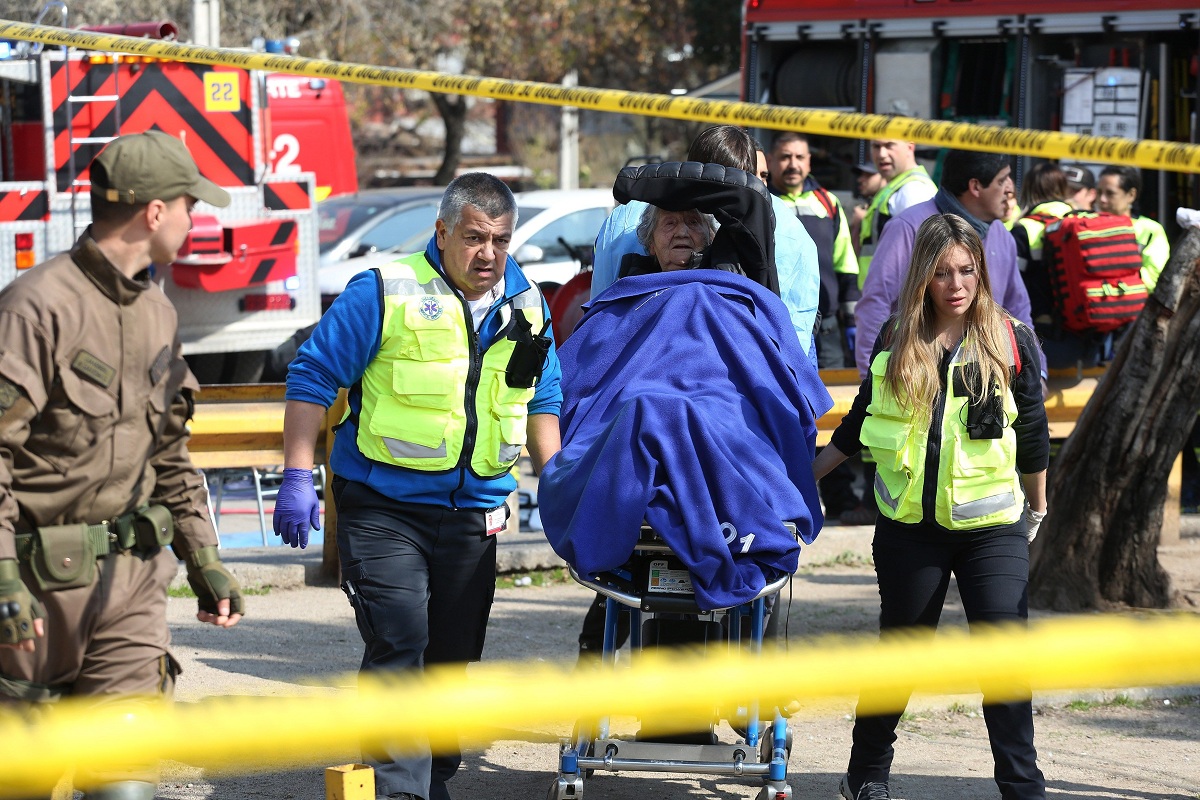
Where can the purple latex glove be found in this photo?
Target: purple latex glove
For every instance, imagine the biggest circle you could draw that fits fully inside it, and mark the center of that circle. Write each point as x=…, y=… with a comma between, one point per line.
x=296, y=507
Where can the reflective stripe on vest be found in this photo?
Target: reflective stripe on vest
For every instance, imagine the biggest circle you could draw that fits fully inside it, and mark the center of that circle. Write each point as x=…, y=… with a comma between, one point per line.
x=868, y=235
x=977, y=482
x=430, y=401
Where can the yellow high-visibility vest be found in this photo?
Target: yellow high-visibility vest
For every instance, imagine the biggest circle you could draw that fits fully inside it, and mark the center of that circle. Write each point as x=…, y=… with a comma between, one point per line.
x=977, y=483
x=430, y=398
x=873, y=219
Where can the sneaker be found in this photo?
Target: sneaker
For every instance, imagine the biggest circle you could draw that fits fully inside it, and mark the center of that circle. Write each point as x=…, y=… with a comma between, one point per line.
x=868, y=791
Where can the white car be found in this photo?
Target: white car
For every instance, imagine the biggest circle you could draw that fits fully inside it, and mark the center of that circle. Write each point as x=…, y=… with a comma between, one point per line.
x=555, y=229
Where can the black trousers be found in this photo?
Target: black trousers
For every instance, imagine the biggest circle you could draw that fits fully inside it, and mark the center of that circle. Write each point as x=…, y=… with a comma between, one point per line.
x=421, y=580
x=831, y=344
x=992, y=571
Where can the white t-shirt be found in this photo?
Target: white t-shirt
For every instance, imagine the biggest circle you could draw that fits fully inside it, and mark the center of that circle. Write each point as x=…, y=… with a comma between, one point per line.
x=911, y=193
x=479, y=308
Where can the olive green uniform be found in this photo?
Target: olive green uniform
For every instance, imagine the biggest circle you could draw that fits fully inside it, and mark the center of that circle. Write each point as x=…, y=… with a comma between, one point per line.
x=94, y=402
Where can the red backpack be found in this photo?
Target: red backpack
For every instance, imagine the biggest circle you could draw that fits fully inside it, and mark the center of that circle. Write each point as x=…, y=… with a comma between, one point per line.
x=1094, y=263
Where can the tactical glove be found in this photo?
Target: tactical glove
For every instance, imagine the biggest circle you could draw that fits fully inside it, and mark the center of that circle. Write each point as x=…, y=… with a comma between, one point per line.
x=18, y=607
x=212, y=582
x=296, y=507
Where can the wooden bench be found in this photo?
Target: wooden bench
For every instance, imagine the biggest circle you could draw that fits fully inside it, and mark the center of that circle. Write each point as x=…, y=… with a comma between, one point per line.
x=1070, y=391
x=242, y=426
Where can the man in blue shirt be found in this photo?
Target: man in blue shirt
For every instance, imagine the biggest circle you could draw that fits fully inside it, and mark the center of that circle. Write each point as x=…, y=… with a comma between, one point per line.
x=450, y=374
x=795, y=253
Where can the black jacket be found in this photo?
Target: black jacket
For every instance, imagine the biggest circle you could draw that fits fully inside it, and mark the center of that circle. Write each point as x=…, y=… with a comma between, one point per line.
x=737, y=199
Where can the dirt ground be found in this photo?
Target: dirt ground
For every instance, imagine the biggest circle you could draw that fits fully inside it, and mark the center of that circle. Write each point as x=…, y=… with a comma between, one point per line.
x=1130, y=744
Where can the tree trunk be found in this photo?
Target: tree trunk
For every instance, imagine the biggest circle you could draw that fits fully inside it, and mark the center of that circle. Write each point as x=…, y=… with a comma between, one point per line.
x=453, y=109
x=1098, y=545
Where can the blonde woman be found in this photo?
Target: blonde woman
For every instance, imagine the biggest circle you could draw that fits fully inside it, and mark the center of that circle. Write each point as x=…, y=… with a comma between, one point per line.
x=952, y=411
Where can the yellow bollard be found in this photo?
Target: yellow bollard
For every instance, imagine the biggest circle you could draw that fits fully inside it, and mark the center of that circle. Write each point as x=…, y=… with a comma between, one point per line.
x=350, y=782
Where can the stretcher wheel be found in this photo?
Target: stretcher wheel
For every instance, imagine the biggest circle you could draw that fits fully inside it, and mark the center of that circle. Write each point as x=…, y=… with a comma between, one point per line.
x=773, y=793
x=566, y=787
x=767, y=744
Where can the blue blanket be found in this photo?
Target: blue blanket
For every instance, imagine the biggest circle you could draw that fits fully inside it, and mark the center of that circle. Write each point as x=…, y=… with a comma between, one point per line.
x=687, y=403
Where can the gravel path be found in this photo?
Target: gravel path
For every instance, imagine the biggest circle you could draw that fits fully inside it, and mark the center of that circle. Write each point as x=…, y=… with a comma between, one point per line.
x=1095, y=747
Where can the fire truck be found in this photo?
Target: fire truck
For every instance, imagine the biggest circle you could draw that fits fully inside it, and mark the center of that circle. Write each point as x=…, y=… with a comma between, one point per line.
x=1105, y=67
x=246, y=280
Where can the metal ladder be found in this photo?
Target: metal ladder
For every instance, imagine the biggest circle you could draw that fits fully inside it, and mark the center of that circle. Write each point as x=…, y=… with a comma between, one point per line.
x=73, y=102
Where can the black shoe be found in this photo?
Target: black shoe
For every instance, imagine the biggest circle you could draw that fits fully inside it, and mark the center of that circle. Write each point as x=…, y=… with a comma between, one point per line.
x=868, y=791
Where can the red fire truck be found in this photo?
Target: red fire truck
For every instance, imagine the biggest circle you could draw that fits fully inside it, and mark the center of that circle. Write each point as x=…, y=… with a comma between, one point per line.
x=1108, y=67
x=247, y=279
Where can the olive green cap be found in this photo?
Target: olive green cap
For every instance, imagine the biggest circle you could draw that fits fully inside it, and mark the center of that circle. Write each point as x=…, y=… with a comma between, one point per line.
x=140, y=167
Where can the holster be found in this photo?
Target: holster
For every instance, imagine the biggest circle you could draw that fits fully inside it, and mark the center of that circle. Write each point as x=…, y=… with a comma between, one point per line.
x=985, y=418
x=529, y=353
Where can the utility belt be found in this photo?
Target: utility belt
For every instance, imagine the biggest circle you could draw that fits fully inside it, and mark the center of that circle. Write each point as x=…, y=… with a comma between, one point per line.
x=64, y=556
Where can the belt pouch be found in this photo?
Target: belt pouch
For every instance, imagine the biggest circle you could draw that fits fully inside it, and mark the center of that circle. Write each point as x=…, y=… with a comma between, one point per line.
x=154, y=527
x=63, y=557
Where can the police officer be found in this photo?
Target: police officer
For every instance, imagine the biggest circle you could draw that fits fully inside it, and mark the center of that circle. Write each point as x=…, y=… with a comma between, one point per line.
x=450, y=374
x=95, y=478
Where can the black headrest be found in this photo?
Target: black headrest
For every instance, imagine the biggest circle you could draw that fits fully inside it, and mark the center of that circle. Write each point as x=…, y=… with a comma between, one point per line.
x=739, y=201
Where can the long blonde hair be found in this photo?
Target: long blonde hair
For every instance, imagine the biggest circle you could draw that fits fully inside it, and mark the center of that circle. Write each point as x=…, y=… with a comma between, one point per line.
x=913, y=368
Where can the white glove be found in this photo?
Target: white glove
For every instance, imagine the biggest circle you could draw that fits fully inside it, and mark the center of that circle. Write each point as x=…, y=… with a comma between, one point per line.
x=1033, y=521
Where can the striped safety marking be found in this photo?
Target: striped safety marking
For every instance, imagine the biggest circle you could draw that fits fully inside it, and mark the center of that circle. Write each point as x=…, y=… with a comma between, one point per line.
x=158, y=96
x=283, y=233
x=25, y=206
x=287, y=195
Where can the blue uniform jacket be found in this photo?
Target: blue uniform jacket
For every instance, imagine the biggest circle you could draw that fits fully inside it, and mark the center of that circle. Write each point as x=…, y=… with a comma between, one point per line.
x=338, y=352
x=687, y=402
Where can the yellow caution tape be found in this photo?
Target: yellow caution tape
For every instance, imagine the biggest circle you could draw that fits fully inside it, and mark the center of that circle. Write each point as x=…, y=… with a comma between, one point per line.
x=443, y=707
x=1148, y=153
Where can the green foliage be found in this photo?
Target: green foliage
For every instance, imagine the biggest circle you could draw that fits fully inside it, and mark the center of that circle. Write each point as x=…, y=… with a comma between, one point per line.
x=1082, y=705
x=548, y=577
x=846, y=558
x=185, y=591
x=718, y=33
x=1121, y=700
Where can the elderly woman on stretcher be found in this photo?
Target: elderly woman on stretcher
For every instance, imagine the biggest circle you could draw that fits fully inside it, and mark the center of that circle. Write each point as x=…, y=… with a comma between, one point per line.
x=688, y=402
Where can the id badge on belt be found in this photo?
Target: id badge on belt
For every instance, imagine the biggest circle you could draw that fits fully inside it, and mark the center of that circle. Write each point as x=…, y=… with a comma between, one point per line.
x=495, y=520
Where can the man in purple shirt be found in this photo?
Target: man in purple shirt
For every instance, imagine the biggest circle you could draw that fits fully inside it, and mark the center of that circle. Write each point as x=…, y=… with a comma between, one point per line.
x=977, y=187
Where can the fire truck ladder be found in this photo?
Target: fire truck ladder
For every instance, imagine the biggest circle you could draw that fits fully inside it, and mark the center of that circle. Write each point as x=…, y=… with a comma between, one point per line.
x=75, y=101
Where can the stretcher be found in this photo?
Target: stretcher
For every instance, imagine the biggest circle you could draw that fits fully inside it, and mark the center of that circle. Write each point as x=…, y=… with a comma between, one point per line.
x=654, y=589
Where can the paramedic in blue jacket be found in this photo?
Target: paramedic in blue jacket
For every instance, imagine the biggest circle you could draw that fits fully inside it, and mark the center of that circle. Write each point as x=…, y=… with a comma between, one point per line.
x=450, y=375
